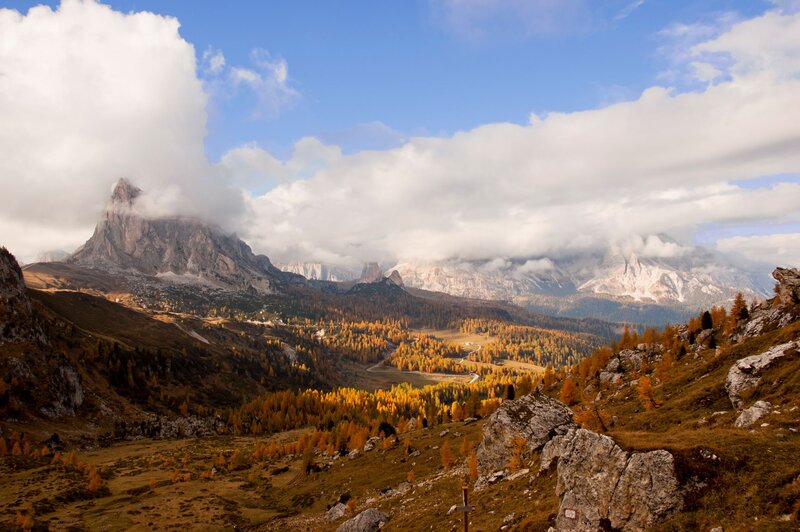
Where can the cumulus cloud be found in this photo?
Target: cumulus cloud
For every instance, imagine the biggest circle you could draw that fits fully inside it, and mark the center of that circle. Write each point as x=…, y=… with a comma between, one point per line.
x=88, y=95
x=777, y=249
x=665, y=162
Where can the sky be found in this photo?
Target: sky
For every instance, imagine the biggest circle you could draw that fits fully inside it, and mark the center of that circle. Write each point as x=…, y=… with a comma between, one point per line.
x=430, y=129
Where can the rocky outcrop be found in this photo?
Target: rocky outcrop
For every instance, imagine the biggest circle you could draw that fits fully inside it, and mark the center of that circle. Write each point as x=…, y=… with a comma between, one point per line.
x=745, y=374
x=371, y=273
x=17, y=323
x=181, y=249
x=395, y=278
x=601, y=485
x=777, y=312
x=750, y=415
x=162, y=427
x=788, y=287
x=370, y=520
x=534, y=417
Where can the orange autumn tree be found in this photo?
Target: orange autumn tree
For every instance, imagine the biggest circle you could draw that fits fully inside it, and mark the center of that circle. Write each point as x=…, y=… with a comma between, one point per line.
x=569, y=392
x=645, y=391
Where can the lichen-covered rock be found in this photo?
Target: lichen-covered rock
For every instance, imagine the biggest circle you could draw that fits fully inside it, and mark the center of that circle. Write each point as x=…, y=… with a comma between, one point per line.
x=752, y=414
x=599, y=482
x=746, y=373
x=369, y=520
x=534, y=417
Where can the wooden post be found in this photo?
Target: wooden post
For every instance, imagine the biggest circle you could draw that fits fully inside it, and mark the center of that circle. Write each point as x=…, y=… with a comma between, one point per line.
x=466, y=507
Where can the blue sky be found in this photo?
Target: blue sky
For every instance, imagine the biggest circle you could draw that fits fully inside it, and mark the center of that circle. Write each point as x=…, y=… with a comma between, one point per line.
x=356, y=63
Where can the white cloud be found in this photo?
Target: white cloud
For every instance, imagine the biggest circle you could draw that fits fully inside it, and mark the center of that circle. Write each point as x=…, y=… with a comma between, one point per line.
x=213, y=61
x=777, y=249
x=268, y=81
x=535, y=266
x=88, y=95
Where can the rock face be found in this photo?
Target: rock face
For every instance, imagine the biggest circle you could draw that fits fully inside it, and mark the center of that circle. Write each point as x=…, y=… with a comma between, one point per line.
x=779, y=311
x=752, y=414
x=371, y=273
x=535, y=417
x=42, y=380
x=788, y=288
x=370, y=520
x=318, y=271
x=395, y=278
x=745, y=374
x=601, y=485
x=16, y=316
x=186, y=249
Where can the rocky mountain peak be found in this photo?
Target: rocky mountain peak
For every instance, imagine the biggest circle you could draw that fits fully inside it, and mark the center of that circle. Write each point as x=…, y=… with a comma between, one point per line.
x=371, y=273
x=183, y=250
x=395, y=278
x=124, y=193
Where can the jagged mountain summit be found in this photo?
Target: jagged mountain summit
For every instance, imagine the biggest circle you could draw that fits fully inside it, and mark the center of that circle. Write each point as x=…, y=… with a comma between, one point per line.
x=178, y=249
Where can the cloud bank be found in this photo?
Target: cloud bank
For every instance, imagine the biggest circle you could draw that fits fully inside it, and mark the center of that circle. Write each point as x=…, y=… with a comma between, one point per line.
x=89, y=94
x=667, y=161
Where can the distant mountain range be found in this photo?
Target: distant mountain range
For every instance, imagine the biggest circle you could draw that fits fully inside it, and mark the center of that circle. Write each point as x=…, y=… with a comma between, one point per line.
x=613, y=285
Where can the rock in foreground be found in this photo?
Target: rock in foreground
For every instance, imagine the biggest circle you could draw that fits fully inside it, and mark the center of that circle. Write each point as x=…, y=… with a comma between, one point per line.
x=746, y=372
x=601, y=485
x=369, y=520
x=534, y=417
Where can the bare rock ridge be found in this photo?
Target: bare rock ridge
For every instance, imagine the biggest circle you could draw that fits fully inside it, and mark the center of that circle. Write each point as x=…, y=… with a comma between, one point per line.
x=32, y=362
x=186, y=250
x=16, y=316
x=599, y=483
